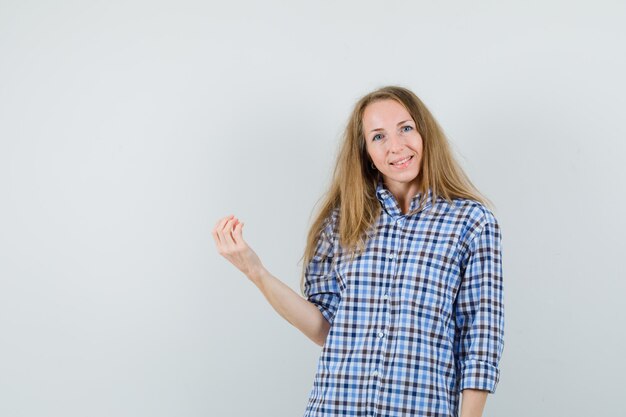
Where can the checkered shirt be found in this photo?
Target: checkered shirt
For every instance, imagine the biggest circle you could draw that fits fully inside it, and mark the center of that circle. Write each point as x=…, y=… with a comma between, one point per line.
x=416, y=318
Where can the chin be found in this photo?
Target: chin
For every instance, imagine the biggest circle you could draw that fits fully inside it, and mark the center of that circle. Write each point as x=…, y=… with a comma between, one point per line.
x=405, y=177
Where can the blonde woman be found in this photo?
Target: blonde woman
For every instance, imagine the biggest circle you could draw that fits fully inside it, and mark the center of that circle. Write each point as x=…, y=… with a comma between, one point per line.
x=402, y=273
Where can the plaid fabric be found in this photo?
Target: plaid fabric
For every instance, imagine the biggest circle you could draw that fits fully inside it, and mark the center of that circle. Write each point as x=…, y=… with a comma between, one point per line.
x=416, y=318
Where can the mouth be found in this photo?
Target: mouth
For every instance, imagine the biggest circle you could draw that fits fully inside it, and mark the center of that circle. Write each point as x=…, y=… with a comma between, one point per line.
x=402, y=162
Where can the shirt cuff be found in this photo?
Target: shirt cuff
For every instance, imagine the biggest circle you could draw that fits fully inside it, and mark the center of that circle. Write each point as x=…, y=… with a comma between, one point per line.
x=479, y=375
x=325, y=303
x=326, y=313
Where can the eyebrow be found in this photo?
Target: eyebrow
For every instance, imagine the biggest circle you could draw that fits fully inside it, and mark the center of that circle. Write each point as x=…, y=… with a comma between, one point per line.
x=399, y=123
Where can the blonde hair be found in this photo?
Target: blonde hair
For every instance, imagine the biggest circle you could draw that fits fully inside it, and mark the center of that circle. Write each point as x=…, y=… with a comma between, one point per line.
x=353, y=186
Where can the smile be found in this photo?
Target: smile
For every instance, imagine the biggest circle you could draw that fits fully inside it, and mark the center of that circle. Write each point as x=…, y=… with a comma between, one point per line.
x=403, y=162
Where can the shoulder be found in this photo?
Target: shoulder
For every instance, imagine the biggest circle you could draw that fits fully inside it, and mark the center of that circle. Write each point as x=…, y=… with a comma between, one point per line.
x=326, y=244
x=475, y=219
x=331, y=223
x=474, y=212
x=465, y=211
x=328, y=232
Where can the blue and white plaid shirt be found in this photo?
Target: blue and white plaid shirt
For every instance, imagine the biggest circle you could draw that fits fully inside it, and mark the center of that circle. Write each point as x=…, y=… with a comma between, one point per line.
x=416, y=318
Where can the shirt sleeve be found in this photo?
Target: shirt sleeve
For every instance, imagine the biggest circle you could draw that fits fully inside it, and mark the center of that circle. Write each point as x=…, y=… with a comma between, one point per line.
x=479, y=311
x=320, y=285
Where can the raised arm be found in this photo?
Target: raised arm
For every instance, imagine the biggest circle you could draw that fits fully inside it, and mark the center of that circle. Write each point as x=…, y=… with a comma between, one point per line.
x=304, y=315
x=301, y=313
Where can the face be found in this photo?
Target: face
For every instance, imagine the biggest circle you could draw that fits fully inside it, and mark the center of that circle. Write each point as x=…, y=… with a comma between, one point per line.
x=393, y=143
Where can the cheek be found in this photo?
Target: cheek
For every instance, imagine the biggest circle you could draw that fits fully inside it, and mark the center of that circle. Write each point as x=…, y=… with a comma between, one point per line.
x=377, y=157
x=371, y=153
x=420, y=144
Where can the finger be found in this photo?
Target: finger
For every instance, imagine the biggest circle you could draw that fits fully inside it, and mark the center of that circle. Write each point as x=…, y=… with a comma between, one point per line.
x=226, y=234
x=219, y=227
x=220, y=224
x=231, y=229
x=237, y=234
x=216, y=236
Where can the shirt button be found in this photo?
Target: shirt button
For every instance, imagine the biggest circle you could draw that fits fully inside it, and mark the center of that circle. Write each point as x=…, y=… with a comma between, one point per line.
x=375, y=372
x=386, y=297
x=381, y=334
x=390, y=256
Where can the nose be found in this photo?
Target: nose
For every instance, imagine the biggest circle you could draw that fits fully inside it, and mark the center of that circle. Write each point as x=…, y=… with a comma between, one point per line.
x=395, y=143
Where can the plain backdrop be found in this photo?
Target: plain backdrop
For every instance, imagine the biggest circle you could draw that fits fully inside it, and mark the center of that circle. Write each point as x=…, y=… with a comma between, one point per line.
x=128, y=128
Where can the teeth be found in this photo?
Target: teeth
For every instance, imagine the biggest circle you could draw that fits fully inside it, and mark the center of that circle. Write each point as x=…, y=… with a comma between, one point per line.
x=401, y=162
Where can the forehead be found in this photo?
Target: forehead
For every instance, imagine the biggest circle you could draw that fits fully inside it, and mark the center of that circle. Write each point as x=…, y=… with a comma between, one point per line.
x=384, y=112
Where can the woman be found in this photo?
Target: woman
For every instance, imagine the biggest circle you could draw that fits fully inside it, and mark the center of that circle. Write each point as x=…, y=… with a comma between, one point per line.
x=402, y=273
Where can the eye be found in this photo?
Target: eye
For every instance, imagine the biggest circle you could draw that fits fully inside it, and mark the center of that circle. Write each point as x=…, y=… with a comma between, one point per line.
x=407, y=128
x=376, y=137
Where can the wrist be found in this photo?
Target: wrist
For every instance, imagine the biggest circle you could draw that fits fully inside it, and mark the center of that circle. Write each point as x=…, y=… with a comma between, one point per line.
x=256, y=275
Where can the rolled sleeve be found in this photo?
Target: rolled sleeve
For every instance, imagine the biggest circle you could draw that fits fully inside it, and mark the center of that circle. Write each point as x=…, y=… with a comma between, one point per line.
x=320, y=286
x=479, y=311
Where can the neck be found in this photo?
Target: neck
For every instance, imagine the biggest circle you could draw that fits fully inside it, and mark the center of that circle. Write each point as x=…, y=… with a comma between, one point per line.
x=404, y=193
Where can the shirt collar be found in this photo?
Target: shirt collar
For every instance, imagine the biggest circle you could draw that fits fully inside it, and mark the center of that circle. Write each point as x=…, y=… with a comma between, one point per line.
x=389, y=203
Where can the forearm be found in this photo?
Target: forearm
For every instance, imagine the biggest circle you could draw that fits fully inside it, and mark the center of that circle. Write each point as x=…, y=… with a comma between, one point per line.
x=473, y=402
x=301, y=313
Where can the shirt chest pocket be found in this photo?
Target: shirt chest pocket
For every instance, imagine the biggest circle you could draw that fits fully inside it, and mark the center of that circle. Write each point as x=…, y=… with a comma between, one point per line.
x=361, y=277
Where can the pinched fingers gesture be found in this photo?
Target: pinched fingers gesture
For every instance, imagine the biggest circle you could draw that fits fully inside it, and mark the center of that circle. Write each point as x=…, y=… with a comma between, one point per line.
x=228, y=236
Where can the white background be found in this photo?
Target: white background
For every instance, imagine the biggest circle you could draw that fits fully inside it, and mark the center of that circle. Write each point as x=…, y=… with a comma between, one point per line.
x=128, y=128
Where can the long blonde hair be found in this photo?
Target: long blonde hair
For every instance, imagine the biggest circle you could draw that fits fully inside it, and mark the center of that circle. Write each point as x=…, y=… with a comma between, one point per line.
x=353, y=185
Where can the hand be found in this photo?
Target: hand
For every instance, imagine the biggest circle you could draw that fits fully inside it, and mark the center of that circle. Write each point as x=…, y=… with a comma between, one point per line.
x=230, y=244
